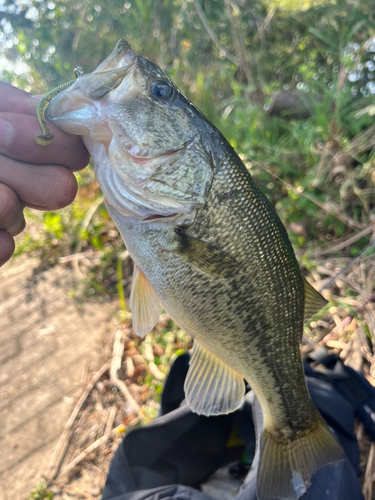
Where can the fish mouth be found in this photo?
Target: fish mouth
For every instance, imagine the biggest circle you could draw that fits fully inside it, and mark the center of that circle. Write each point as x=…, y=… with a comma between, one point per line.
x=159, y=216
x=79, y=109
x=137, y=171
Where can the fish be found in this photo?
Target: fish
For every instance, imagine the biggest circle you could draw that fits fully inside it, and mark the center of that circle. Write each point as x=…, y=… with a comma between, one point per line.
x=209, y=248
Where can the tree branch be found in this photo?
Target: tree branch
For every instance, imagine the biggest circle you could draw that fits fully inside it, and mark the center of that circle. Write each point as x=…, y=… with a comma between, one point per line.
x=212, y=35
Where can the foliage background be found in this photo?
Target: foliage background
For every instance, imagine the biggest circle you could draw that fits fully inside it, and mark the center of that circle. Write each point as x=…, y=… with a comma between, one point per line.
x=230, y=58
x=237, y=60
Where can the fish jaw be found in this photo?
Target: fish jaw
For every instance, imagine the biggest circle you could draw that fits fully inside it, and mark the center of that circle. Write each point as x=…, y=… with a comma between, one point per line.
x=80, y=108
x=149, y=158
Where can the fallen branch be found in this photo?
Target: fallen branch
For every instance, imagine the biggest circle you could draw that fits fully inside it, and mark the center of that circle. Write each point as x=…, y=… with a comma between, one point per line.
x=347, y=242
x=212, y=35
x=118, y=350
x=75, y=256
x=346, y=322
x=111, y=419
x=364, y=141
x=96, y=444
x=73, y=490
x=149, y=357
x=62, y=445
x=239, y=45
x=348, y=266
x=335, y=344
x=263, y=27
x=309, y=342
x=125, y=391
x=369, y=473
x=154, y=370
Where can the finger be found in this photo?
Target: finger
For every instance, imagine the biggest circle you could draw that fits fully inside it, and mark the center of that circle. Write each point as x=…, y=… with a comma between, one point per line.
x=7, y=247
x=17, y=133
x=14, y=100
x=46, y=187
x=11, y=211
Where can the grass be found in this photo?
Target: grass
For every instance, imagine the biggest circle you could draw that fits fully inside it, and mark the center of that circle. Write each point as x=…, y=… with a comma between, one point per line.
x=41, y=492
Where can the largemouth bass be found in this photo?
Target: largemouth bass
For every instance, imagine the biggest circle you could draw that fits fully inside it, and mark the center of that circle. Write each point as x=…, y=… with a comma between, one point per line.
x=209, y=248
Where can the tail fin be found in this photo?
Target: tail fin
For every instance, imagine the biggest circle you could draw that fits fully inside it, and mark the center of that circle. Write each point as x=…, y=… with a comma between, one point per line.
x=286, y=467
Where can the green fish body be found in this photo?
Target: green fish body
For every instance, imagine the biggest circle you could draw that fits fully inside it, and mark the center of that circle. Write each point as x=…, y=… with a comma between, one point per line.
x=209, y=248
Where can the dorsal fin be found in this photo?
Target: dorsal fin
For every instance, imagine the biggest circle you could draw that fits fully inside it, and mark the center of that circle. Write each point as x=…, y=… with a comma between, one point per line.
x=314, y=301
x=211, y=386
x=144, y=304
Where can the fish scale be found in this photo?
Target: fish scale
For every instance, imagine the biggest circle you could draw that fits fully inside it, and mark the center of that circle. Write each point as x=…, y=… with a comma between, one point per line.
x=209, y=248
x=255, y=332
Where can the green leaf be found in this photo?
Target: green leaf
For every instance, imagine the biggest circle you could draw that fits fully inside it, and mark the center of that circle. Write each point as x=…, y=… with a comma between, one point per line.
x=323, y=38
x=354, y=30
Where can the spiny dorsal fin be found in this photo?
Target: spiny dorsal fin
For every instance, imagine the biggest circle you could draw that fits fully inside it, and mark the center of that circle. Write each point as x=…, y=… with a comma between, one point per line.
x=211, y=386
x=144, y=304
x=314, y=302
x=204, y=256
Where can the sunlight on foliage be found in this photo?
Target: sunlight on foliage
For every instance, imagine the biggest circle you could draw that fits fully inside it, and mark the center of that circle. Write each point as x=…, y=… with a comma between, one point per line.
x=296, y=5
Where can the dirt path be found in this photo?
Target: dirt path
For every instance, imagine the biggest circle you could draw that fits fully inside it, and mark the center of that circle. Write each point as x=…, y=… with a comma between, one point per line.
x=47, y=341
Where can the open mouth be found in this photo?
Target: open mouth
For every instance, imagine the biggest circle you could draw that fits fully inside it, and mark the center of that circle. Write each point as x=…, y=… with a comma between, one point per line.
x=158, y=216
x=75, y=108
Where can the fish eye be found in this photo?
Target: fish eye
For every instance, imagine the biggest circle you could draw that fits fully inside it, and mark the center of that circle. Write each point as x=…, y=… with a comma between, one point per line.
x=161, y=89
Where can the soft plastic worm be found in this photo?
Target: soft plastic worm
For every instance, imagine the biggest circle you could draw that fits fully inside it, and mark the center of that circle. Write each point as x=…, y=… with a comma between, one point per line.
x=46, y=138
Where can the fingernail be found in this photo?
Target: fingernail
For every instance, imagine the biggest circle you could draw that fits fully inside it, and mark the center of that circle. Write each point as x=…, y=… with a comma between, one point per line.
x=6, y=132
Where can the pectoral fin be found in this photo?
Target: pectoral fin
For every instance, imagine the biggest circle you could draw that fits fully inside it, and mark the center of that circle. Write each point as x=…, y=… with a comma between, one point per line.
x=211, y=386
x=205, y=257
x=144, y=304
x=314, y=301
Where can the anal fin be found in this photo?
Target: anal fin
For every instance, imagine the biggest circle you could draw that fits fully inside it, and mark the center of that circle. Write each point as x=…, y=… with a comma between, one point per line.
x=314, y=301
x=211, y=386
x=144, y=304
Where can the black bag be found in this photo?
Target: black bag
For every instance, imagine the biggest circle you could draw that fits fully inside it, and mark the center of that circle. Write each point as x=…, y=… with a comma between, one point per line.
x=174, y=456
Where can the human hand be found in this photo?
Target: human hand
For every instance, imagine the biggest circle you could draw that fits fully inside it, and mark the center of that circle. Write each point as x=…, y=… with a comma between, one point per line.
x=31, y=175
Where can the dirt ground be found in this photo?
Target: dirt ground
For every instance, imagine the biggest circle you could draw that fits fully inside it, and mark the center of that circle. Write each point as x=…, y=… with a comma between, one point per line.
x=48, y=340
x=48, y=343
